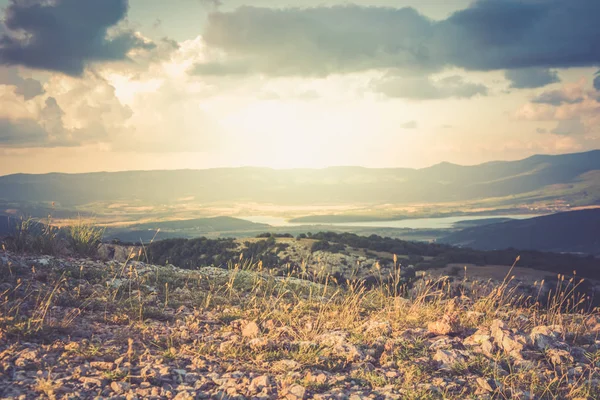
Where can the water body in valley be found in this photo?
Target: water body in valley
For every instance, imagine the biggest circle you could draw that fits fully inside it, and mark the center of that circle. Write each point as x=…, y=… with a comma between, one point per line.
x=416, y=223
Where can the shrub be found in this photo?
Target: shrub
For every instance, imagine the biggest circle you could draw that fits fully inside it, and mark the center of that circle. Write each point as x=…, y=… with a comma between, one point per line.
x=20, y=237
x=84, y=238
x=29, y=235
x=320, y=245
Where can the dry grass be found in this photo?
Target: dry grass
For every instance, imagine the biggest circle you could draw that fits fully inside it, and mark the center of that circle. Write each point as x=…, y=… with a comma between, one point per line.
x=293, y=317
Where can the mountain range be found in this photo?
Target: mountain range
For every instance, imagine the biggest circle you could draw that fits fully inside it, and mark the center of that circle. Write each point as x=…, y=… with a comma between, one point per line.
x=574, y=178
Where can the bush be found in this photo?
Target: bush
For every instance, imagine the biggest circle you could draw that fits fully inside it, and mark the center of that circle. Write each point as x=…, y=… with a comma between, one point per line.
x=21, y=234
x=29, y=235
x=321, y=245
x=84, y=238
x=324, y=245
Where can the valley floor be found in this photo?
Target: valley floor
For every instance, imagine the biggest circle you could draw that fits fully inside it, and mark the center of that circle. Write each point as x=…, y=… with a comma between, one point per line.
x=78, y=329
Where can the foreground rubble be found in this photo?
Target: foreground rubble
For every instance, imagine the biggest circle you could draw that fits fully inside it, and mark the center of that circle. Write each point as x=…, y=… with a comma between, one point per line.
x=78, y=329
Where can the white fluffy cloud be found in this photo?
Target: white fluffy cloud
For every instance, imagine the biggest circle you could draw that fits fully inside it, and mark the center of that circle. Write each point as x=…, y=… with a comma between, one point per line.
x=574, y=108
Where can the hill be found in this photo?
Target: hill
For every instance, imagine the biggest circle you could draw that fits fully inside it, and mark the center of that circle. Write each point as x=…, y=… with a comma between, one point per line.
x=182, y=228
x=572, y=177
x=573, y=232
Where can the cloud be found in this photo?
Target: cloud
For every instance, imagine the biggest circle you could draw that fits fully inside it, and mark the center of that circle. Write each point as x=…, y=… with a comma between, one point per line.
x=218, y=69
x=558, y=97
x=574, y=108
x=26, y=87
x=21, y=133
x=529, y=78
x=410, y=125
x=47, y=130
x=66, y=35
x=423, y=88
x=597, y=81
x=541, y=130
x=569, y=127
x=75, y=112
x=488, y=35
x=320, y=41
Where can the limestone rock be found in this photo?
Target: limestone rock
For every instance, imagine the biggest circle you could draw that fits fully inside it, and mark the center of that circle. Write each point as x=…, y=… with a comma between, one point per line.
x=511, y=343
x=251, y=330
x=296, y=392
x=448, y=358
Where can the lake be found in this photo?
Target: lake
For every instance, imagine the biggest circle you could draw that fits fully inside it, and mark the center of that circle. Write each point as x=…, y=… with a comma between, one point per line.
x=416, y=223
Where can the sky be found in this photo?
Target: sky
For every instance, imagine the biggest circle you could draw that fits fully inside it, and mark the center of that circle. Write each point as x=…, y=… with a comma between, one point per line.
x=109, y=85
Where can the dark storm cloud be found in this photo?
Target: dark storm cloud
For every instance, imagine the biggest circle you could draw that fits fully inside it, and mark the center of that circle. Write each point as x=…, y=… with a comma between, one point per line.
x=65, y=35
x=26, y=87
x=489, y=35
x=530, y=78
x=321, y=41
x=510, y=34
x=423, y=88
x=556, y=98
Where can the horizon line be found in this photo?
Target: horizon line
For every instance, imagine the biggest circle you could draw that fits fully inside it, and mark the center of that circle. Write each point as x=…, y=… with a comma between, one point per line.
x=299, y=168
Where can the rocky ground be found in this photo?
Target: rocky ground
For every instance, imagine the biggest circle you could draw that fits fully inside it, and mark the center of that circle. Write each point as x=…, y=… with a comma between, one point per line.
x=79, y=329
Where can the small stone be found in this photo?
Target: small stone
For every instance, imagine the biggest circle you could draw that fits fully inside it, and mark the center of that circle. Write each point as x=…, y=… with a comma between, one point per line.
x=484, y=385
x=542, y=337
x=120, y=387
x=102, y=365
x=480, y=339
x=259, y=343
x=296, y=392
x=191, y=378
x=449, y=324
x=260, y=383
x=392, y=374
x=319, y=379
x=251, y=330
x=90, y=380
x=439, y=328
x=448, y=358
x=183, y=395
x=559, y=357
x=287, y=365
x=511, y=343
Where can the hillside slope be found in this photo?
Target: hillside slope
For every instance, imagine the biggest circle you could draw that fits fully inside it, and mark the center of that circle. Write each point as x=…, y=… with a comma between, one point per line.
x=73, y=328
x=574, y=231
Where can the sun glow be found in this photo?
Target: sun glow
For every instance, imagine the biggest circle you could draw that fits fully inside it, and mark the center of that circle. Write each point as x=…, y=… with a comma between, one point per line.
x=294, y=134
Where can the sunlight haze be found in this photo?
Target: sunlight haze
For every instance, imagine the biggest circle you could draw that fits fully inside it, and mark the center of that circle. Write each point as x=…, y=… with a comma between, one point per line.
x=288, y=84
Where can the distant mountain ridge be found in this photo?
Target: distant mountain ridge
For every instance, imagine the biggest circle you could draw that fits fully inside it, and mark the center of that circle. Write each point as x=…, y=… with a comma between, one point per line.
x=575, y=175
x=573, y=232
